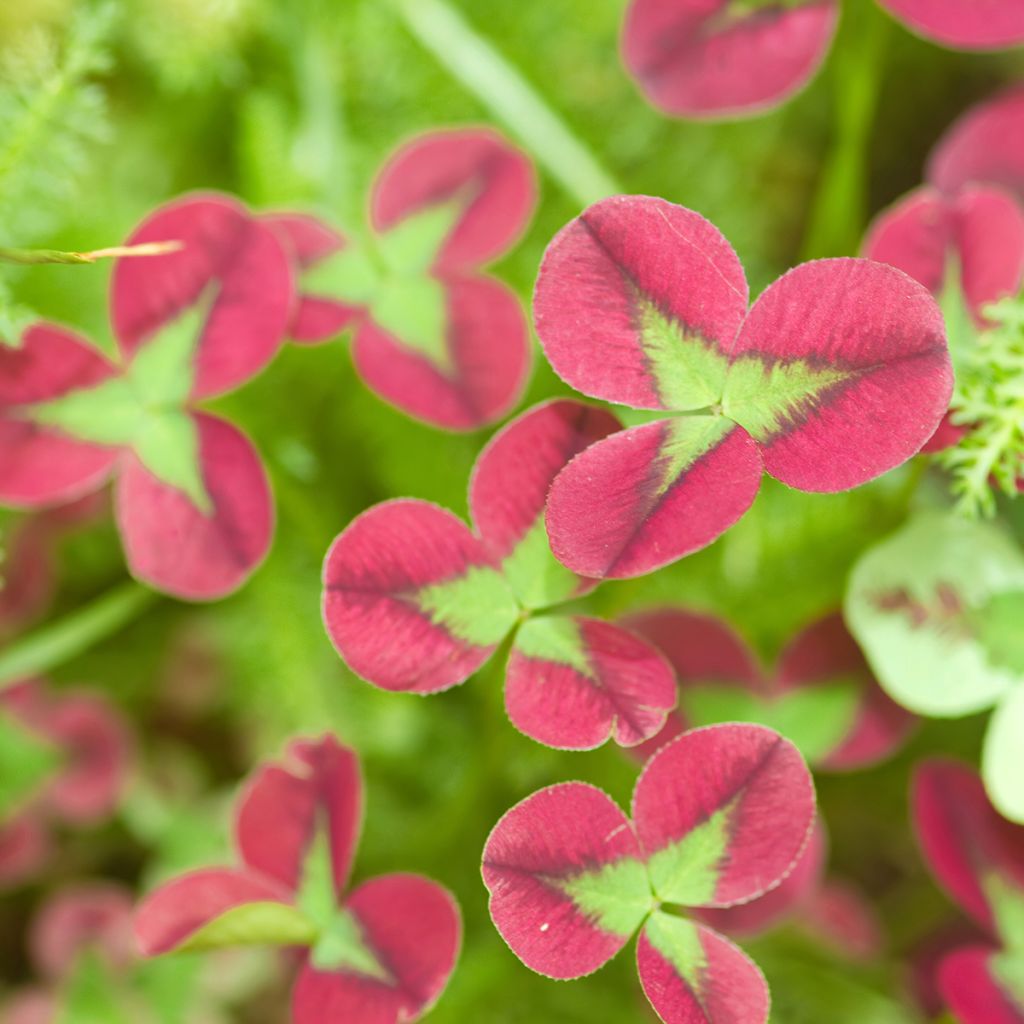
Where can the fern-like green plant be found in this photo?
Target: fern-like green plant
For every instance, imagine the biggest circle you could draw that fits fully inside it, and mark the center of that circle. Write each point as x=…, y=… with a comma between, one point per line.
x=52, y=114
x=989, y=399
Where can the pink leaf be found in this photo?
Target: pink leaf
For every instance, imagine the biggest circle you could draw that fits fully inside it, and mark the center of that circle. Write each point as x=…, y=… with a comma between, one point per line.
x=99, y=752
x=840, y=916
x=544, y=864
x=699, y=58
x=982, y=229
x=777, y=905
x=26, y=848
x=173, y=545
x=647, y=496
x=487, y=345
x=173, y=913
x=574, y=682
x=283, y=804
x=824, y=652
x=985, y=144
x=493, y=181
x=413, y=928
x=962, y=837
x=225, y=248
x=963, y=24
x=316, y=318
x=28, y=581
x=873, y=343
x=723, y=814
x=636, y=302
x=970, y=987
x=31, y=1006
x=40, y=465
x=692, y=975
x=411, y=599
x=95, y=915
x=510, y=484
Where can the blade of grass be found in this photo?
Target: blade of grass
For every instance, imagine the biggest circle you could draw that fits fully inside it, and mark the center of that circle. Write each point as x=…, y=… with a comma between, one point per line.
x=475, y=62
x=58, y=642
x=839, y=210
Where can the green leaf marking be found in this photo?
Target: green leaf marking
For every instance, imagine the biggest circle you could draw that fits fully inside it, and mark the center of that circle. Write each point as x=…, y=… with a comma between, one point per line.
x=26, y=761
x=411, y=246
x=145, y=408
x=815, y=718
x=688, y=372
x=687, y=871
x=264, y=923
x=770, y=398
x=678, y=941
x=536, y=577
x=687, y=438
x=342, y=946
x=392, y=280
x=615, y=897
x=554, y=638
x=477, y=608
x=415, y=311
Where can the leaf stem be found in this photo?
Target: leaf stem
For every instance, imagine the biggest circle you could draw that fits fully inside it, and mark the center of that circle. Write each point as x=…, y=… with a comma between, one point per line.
x=58, y=642
x=32, y=257
x=501, y=88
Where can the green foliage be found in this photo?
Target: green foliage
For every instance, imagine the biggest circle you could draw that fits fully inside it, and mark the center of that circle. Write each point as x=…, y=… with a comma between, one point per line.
x=989, y=400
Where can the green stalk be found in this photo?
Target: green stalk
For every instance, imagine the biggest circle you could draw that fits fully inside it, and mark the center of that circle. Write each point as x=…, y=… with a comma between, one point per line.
x=501, y=88
x=34, y=257
x=839, y=210
x=58, y=642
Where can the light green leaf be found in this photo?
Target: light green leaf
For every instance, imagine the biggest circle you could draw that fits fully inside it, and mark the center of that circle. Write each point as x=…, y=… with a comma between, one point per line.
x=1002, y=760
x=999, y=625
x=536, y=577
x=254, y=924
x=415, y=311
x=108, y=414
x=349, y=276
x=814, y=718
x=960, y=329
x=26, y=761
x=554, y=638
x=167, y=444
x=688, y=438
x=688, y=372
x=1007, y=902
x=687, y=871
x=317, y=897
x=162, y=371
x=411, y=247
x=768, y=399
x=911, y=604
x=91, y=996
x=342, y=946
x=1008, y=971
x=678, y=941
x=616, y=897
x=477, y=608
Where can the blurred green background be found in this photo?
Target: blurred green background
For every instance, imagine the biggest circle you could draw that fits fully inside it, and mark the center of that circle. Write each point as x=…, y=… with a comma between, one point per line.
x=295, y=104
